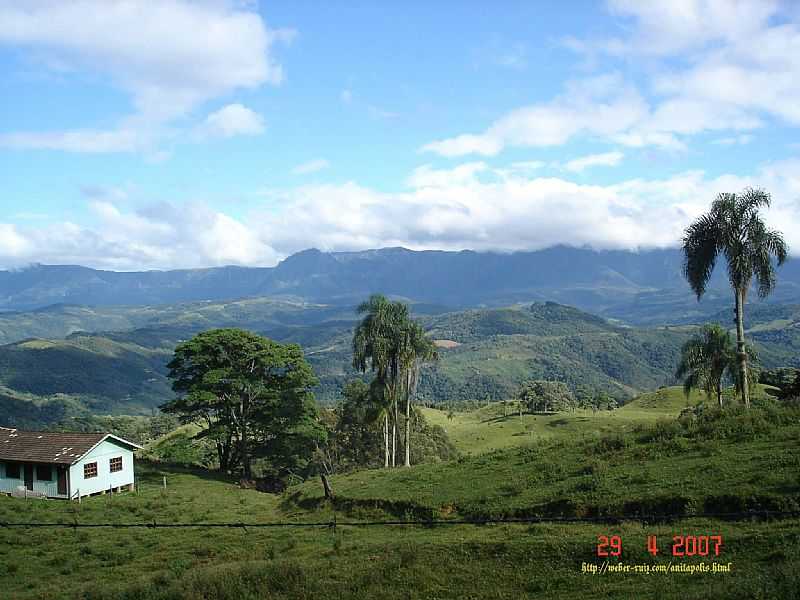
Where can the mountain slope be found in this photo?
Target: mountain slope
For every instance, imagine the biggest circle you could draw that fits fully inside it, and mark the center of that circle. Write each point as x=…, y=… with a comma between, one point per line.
x=635, y=287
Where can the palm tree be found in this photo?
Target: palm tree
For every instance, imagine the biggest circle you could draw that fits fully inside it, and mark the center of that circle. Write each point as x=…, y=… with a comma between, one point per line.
x=376, y=346
x=415, y=349
x=734, y=228
x=705, y=360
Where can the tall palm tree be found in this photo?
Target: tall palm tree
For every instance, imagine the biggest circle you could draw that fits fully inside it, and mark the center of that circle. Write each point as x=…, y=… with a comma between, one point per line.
x=734, y=228
x=376, y=346
x=415, y=349
x=705, y=360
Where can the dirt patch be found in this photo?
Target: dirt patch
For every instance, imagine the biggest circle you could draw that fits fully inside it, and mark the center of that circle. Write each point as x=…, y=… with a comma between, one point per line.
x=446, y=344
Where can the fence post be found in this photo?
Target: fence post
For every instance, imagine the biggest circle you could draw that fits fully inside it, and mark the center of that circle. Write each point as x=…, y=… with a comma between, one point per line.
x=165, y=482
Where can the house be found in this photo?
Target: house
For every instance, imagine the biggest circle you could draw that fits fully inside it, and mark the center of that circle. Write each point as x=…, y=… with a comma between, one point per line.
x=64, y=465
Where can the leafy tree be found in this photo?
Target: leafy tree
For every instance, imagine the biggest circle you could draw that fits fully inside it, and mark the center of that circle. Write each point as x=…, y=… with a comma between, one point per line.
x=734, y=228
x=353, y=436
x=546, y=396
x=251, y=394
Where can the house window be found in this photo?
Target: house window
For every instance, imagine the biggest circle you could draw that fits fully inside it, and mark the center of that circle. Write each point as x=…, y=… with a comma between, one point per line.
x=90, y=470
x=12, y=470
x=115, y=464
x=44, y=473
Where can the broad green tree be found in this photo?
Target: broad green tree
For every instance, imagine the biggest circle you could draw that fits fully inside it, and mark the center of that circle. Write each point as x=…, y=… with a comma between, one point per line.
x=252, y=395
x=734, y=229
x=706, y=359
x=546, y=396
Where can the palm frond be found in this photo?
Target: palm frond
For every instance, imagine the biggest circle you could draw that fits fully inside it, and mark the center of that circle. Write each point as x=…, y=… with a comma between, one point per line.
x=700, y=249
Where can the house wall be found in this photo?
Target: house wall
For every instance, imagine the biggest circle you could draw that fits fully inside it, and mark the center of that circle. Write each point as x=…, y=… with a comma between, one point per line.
x=105, y=478
x=50, y=488
x=7, y=485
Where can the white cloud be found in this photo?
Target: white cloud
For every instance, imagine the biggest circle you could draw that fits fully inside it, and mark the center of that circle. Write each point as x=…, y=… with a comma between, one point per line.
x=683, y=25
x=158, y=236
x=707, y=65
x=170, y=55
x=452, y=209
x=232, y=120
x=606, y=159
x=311, y=166
x=426, y=176
x=600, y=106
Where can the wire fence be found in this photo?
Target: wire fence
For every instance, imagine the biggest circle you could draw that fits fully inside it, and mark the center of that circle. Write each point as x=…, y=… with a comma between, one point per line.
x=334, y=523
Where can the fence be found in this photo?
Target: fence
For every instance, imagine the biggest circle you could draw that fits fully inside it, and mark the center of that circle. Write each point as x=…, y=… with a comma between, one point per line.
x=334, y=523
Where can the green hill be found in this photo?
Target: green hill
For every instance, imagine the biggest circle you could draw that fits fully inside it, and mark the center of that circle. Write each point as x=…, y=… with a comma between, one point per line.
x=738, y=461
x=498, y=425
x=485, y=354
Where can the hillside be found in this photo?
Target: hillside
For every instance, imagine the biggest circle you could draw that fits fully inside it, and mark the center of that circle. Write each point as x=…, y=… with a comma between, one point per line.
x=734, y=463
x=485, y=353
x=635, y=287
x=497, y=426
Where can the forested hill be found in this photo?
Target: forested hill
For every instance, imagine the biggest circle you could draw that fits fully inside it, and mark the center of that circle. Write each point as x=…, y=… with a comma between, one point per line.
x=636, y=287
x=485, y=353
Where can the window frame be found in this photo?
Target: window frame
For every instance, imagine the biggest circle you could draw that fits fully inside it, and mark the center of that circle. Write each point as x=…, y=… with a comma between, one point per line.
x=87, y=470
x=112, y=464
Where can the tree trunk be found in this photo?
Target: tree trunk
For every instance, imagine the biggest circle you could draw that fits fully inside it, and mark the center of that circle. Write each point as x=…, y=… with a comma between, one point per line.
x=386, y=440
x=243, y=445
x=326, y=486
x=408, y=419
x=719, y=394
x=394, y=435
x=741, y=353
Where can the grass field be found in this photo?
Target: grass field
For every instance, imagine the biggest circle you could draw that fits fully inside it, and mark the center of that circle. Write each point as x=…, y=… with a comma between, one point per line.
x=737, y=462
x=494, y=426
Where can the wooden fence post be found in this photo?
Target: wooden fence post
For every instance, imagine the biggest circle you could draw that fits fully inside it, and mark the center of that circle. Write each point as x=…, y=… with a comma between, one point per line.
x=165, y=482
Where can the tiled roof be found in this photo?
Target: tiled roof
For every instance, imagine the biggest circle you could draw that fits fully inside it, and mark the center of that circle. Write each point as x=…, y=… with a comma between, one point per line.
x=49, y=447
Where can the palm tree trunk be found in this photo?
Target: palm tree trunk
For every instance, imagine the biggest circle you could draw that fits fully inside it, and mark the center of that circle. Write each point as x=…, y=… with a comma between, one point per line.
x=394, y=435
x=386, y=439
x=741, y=353
x=408, y=418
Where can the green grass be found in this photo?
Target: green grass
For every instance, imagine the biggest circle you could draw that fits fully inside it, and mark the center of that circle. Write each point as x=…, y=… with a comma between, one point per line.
x=737, y=461
x=494, y=427
x=498, y=561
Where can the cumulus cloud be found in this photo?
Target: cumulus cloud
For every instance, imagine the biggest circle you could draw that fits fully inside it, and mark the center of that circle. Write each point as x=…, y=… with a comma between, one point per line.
x=170, y=56
x=311, y=166
x=232, y=120
x=709, y=65
x=469, y=206
x=600, y=106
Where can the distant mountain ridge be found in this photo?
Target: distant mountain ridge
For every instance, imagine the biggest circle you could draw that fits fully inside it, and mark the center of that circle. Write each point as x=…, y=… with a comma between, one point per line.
x=639, y=287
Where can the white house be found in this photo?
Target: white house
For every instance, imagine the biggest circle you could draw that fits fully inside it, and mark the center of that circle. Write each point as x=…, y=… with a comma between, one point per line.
x=64, y=465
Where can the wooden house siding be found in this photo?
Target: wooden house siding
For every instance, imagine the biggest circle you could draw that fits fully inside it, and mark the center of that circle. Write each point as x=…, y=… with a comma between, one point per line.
x=105, y=479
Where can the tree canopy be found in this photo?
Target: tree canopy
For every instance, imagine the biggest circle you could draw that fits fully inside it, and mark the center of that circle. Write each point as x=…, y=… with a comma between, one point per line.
x=251, y=395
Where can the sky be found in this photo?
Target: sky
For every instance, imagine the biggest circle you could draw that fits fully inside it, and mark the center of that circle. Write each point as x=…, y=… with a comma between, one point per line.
x=156, y=135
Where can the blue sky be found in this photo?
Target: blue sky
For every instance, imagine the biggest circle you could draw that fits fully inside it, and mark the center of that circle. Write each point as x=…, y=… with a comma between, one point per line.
x=231, y=132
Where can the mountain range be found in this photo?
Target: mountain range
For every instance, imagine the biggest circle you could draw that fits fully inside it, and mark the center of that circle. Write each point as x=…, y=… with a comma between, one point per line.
x=644, y=287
